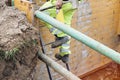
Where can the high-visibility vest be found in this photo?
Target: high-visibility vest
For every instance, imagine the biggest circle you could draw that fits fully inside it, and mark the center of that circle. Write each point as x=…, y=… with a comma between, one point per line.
x=67, y=8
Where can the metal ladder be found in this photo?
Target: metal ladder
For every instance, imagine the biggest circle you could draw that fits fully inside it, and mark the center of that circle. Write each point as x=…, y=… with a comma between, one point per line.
x=42, y=44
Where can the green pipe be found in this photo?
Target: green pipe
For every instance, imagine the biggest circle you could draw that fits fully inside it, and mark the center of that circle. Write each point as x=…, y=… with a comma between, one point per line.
x=97, y=46
x=12, y=2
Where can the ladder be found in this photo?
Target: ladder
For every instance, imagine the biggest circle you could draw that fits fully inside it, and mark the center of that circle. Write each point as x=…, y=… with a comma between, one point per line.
x=42, y=44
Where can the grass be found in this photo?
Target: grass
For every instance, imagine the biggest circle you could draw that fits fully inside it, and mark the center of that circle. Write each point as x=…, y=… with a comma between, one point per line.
x=8, y=55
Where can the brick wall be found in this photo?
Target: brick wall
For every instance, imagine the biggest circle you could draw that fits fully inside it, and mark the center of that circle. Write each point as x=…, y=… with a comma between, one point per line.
x=99, y=20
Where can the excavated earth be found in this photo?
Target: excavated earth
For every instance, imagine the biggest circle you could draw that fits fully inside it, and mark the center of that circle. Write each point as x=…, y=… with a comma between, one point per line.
x=18, y=45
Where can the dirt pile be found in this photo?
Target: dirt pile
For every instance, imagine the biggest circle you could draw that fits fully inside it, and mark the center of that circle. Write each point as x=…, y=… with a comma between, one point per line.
x=17, y=45
x=13, y=25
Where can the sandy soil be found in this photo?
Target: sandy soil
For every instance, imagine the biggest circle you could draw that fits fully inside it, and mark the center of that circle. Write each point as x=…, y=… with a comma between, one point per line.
x=16, y=34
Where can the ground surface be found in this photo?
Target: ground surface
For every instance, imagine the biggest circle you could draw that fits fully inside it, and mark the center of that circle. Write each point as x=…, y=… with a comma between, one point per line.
x=17, y=45
x=110, y=71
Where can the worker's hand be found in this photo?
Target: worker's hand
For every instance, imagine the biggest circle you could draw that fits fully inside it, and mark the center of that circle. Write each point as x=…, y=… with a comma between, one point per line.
x=59, y=4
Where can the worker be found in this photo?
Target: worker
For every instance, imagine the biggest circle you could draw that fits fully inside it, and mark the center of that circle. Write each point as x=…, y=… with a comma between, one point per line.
x=62, y=40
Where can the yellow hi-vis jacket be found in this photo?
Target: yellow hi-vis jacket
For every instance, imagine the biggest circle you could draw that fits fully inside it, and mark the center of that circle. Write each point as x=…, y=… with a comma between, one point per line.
x=64, y=15
x=67, y=10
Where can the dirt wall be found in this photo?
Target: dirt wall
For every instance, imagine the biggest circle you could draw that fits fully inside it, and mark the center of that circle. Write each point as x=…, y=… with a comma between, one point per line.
x=17, y=45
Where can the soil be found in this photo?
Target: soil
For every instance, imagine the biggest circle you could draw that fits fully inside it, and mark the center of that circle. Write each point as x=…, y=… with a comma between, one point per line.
x=110, y=71
x=18, y=46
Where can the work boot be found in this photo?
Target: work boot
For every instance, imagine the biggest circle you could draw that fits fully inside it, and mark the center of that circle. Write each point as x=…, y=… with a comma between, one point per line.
x=59, y=42
x=64, y=58
x=58, y=56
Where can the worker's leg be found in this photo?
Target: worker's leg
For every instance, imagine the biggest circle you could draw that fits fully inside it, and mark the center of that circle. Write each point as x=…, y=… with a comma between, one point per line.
x=64, y=52
x=65, y=48
x=61, y=37
x=63, y=41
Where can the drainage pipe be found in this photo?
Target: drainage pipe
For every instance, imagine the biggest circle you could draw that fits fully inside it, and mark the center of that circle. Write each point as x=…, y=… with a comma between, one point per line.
x=97, y=46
